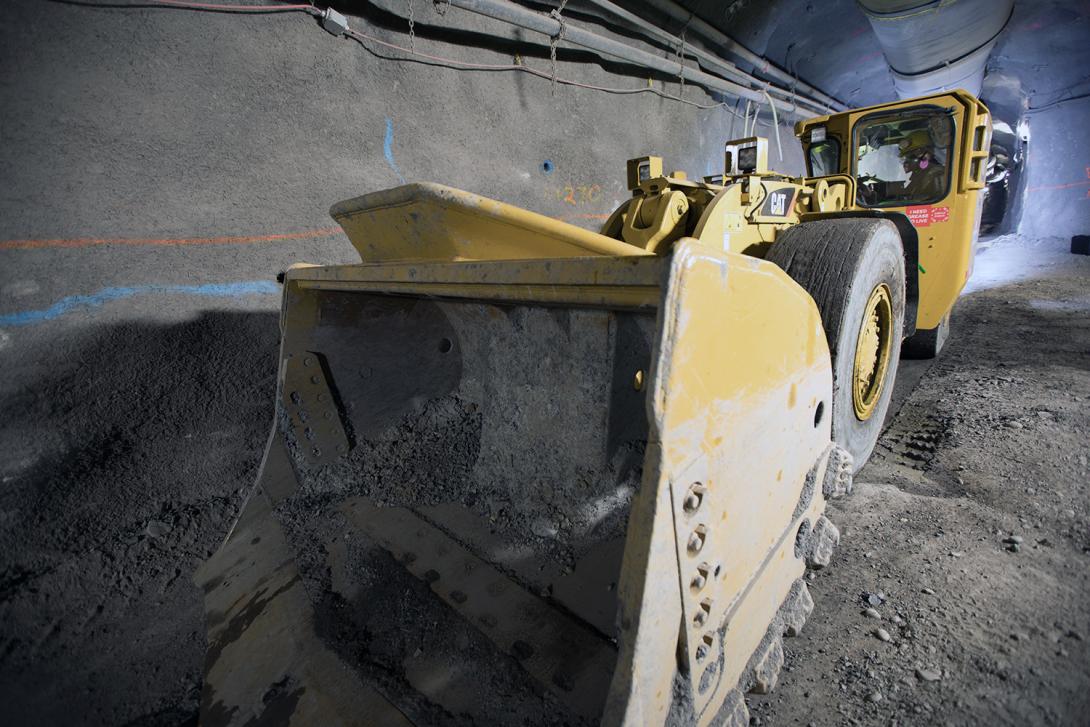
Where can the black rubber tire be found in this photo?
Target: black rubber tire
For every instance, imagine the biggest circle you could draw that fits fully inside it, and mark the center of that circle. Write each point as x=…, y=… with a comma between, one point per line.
x=839, y=263
x=927, y=342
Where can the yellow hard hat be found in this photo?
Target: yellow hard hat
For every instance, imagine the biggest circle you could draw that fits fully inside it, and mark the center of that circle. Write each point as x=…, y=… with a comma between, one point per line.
x=918, y=139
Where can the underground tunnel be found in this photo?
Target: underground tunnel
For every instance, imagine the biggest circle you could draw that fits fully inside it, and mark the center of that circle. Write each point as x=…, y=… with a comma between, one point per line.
x=559, y=362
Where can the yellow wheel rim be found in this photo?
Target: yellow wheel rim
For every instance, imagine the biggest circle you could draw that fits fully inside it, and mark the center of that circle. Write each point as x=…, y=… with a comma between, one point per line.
x=872, y=352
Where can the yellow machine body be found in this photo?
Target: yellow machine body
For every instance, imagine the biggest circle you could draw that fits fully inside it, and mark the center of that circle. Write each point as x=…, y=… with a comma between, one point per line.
x=947, y=222
x=585, y=469
x=596, y=390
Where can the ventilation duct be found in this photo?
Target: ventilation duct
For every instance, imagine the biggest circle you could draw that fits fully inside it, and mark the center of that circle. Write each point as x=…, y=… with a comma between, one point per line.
x=937, y=45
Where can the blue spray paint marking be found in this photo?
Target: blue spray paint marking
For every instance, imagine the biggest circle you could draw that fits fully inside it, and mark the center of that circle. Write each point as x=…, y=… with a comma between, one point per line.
x=75, y=302
x=388, y=149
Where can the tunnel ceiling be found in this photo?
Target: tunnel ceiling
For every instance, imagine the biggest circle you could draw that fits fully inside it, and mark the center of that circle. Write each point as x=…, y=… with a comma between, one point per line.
x=1042, y=53
x=1045, y=49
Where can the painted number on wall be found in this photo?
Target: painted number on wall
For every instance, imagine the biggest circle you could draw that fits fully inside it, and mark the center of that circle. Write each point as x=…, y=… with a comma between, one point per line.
x=576, y=195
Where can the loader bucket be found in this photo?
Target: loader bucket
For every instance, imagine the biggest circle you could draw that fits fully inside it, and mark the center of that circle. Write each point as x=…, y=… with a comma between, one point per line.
x=566, y=491
x=428, y=221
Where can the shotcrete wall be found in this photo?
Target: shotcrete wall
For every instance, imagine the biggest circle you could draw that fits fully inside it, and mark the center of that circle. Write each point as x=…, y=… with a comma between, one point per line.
x=1057, y=201
x=1037, y=84
x=156, y=122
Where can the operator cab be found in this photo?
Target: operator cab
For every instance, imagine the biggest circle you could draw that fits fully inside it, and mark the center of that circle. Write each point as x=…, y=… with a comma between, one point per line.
x=904, y=158
x=901, y=155
x=921, y=163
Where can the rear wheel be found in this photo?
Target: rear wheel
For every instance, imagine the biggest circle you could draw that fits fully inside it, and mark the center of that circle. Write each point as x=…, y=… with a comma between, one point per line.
x=854, y=270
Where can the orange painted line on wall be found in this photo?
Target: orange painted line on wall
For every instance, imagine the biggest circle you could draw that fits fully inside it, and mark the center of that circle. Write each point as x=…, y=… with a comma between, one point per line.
x=587, y=216
x=146, y=241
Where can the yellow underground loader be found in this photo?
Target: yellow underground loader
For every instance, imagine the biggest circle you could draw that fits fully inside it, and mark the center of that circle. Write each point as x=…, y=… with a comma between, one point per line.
x=522, y=473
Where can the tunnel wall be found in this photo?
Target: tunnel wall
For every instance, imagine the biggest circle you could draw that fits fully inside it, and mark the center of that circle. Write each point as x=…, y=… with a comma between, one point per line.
x=1036, y=86
x=1057, y=201
x=156, y=122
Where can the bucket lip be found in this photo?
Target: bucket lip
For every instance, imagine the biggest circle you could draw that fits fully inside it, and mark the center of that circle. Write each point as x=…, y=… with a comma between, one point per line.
x=404, y=194
x=429, y=221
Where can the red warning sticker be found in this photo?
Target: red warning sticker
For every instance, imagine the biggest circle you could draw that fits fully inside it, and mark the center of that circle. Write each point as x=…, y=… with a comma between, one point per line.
x=924, y=215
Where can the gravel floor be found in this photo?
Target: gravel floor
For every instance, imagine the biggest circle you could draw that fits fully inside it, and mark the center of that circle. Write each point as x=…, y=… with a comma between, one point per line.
x=968, y=534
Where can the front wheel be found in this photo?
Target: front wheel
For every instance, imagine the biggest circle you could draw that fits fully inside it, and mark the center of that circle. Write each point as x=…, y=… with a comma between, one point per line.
x=854, y=269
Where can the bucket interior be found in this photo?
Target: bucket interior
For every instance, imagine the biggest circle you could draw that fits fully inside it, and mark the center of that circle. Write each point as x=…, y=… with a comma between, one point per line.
x=464, y=553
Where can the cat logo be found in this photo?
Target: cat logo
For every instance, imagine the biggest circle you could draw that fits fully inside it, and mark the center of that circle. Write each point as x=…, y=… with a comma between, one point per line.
x=778, y=203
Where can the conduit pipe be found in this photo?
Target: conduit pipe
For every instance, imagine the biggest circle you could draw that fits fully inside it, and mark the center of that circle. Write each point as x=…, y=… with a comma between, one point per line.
x=712, y=62
x=937, y=45
x=762, y=65
x=508, y=12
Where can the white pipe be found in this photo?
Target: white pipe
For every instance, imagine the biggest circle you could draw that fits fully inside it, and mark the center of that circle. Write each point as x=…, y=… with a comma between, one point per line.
x=546, y=25
x=762, y=65
x=720, y=66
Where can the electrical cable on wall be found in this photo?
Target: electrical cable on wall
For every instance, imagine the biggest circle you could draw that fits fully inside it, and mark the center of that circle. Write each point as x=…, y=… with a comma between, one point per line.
x=468, y=66
x=775, y=123
x=681, y=64
x=1031, y=109
x=336, y=24
x=558, y=14
x=215, y=7
x=734, y=116
x=716, y=65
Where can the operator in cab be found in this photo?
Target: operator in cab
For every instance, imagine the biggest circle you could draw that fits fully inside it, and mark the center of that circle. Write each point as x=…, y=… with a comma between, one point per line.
x=921, y=178
x=926, y=177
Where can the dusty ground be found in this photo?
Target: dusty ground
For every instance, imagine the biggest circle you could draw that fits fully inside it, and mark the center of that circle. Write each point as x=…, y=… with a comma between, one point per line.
x=970, y=527
x=142, y=436
x=122, y=467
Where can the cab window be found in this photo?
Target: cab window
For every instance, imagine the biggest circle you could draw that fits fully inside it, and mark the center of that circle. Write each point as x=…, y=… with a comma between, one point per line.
x=904, y=158
x=824, y=158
